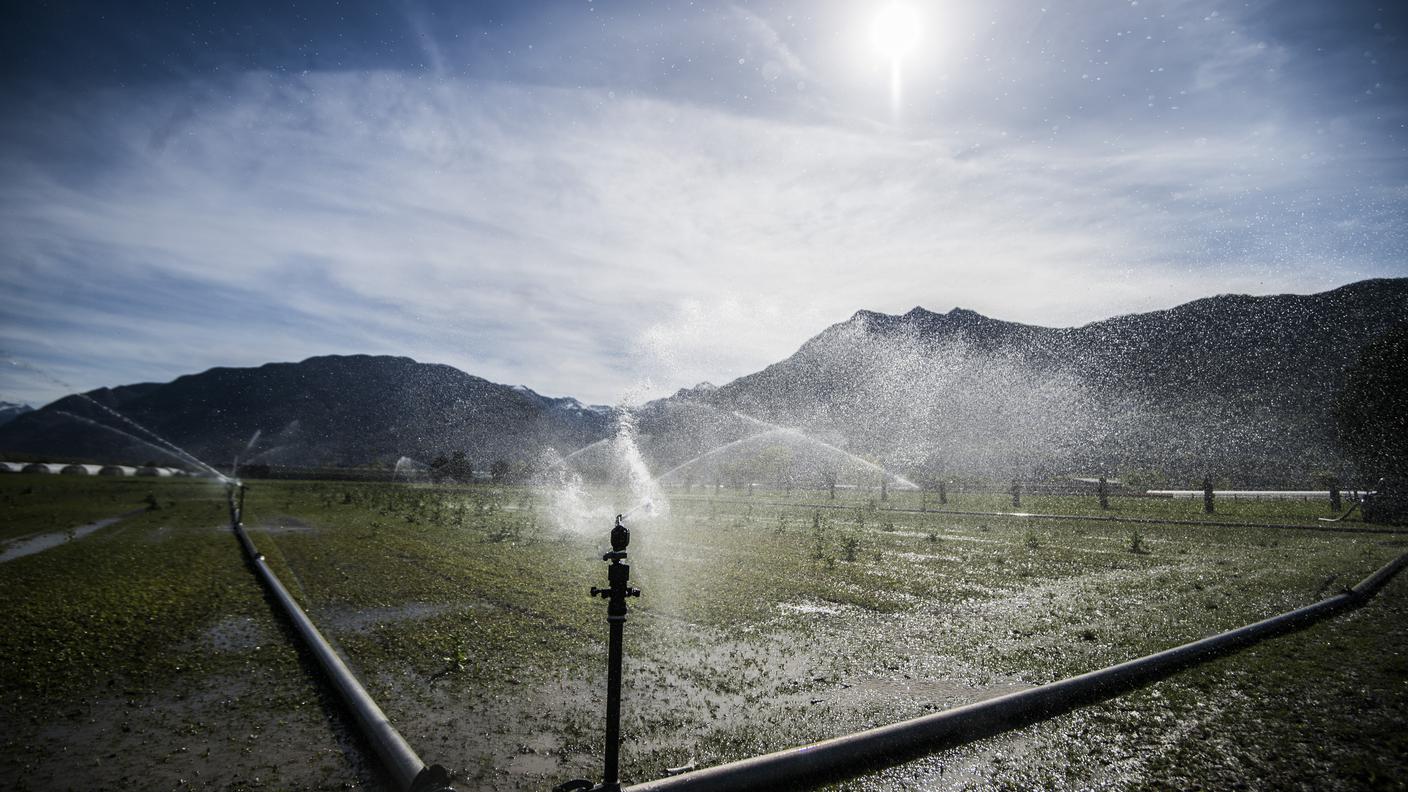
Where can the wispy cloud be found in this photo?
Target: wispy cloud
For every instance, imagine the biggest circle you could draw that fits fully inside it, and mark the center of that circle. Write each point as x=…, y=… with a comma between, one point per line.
x=588, y=241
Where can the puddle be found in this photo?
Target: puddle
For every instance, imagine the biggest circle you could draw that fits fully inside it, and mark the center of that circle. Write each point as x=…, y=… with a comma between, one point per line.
x=533, y=764
x=35, y=544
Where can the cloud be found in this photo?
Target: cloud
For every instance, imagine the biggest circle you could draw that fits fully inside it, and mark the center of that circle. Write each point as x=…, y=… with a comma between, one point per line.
x=598, y=243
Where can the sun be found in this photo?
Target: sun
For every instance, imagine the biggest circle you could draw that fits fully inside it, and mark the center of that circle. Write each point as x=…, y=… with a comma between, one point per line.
x=895, y=31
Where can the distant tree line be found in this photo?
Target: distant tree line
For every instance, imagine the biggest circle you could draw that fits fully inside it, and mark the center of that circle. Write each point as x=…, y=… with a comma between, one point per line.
x=457, y=468
x=454, y=468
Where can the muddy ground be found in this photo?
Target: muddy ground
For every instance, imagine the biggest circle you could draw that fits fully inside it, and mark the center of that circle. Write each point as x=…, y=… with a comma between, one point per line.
x=144, y=654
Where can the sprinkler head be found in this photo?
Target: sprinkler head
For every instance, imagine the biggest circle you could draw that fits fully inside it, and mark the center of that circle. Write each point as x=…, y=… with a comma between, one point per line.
x=620, y=536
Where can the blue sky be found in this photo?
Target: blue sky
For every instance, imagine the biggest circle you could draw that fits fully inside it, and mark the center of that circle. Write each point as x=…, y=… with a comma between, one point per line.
x=617, y=199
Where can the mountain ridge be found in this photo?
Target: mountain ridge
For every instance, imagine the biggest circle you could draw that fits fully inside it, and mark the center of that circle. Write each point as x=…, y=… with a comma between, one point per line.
x=1237, y=381
x=1246, y=378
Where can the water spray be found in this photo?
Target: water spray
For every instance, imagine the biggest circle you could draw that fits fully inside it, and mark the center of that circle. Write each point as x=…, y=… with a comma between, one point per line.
x=647, y=504
x=187, y=458
x=618, y=575
x=166, y=446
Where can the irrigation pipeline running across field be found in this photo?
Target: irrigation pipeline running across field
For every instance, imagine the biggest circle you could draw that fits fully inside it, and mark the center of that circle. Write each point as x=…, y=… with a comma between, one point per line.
x=862, y=752
x=407, y=770
x=868, y=751
x=1330, y=527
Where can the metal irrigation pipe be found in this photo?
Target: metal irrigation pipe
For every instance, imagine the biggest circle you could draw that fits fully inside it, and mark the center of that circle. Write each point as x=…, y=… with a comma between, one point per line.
x=407, y=770
x=855, y=754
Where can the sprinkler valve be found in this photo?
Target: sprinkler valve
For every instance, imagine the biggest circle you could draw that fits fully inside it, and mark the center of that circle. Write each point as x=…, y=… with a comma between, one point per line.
x=620, y=536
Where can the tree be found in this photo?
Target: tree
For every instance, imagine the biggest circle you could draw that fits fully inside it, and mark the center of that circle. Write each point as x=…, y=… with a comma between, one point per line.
x=500, y=471
x=1371, y=411
x=439, y=468
x=460, y=468
x=456, y=468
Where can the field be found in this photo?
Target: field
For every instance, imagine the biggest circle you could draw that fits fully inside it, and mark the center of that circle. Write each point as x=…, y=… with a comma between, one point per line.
x=144, y=654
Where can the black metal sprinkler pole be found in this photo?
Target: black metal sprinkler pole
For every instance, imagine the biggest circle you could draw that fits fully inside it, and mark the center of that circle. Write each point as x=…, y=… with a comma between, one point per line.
x=618, y=575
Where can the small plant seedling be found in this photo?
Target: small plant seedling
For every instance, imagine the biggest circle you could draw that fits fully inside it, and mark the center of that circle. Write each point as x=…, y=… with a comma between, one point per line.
x=850, y=546
x=1136, y=543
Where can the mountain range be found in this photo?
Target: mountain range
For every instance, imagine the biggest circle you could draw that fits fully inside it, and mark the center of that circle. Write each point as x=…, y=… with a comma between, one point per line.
x=331, y=410
x=1236, y=385
x=9, y=411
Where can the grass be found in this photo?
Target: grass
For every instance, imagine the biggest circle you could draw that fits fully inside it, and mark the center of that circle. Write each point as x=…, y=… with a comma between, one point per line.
x=766, y=622
x=36, y=503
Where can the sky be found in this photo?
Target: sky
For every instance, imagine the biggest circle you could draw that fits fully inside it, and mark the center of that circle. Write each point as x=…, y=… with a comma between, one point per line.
x=613, y=200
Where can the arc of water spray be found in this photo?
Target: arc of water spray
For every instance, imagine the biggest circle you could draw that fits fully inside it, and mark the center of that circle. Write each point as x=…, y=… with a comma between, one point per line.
x=773, y=428
x=170, y=447
x=882, y=471
x=585, y=448
x=265, y=453
x=641, y=480
x=129, y=436
x=235, y=469
x=175, y=449
x=645, y=504
x=719, y=450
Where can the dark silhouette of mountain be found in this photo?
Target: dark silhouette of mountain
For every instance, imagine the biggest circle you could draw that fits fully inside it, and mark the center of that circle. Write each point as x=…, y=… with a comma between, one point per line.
x=332, y=410
x=9, y=411
x=1241, y=386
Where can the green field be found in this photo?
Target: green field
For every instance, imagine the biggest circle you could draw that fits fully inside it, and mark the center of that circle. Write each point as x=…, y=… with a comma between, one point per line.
x=145, y=654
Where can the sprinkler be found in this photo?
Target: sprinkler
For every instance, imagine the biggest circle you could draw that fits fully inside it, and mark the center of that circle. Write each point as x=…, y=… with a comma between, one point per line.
x=618, y=575
x=234, y=489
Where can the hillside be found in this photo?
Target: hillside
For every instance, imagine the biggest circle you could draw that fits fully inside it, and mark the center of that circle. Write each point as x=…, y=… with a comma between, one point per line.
x=330, y=410
x=1238, y=386
x=1241, y=386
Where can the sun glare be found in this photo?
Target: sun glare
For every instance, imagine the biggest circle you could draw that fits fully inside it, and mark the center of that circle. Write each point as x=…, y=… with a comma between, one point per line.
x=895, y=30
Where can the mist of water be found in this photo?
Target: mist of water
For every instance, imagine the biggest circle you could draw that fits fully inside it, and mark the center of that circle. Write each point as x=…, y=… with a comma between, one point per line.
x=584, y=449
x=896, y=402
x=407, y=469
x=116, y=431
x=156, y=440
x=644, y=491
x=235, y=467
x=573, y=506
